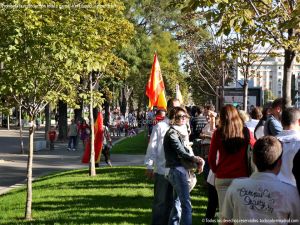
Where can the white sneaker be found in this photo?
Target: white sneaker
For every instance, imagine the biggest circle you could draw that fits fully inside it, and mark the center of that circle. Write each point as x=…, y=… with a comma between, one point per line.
x=68, y=149
x=73, y=149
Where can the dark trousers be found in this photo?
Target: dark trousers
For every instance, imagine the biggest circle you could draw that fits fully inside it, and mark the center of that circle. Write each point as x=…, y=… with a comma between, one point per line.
x=72, y=140
x=106, y=153
x=212, y=203
x=163, y=200
x=51, y=145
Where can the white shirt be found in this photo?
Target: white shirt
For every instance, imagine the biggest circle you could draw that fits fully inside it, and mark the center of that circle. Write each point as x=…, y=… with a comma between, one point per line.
x=290, y=140
x=251, y=124
x=259, y=132
x=155, y=156
x=262, y=197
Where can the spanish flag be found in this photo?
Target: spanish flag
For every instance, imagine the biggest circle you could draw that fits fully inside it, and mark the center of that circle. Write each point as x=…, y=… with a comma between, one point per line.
x=98, y=142
x=155, y=87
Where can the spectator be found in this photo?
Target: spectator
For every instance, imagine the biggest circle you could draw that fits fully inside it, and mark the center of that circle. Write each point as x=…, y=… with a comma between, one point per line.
x=255, y=115
x=52, y=137
x=175, y=148
x=229, y=142
x=296, y=169
x=273, y=125
x=244, y=116
x=72, y=134
x=212, y=194
x=107, y=145
x=259, y=129
x=156, y=168
x=263, y=197
x=159, y=116
x=290, y=139
x=84, y=131
x=197, y=123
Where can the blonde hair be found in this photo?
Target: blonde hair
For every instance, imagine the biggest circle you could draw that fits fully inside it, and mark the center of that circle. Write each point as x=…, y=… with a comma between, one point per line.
x=244, y=116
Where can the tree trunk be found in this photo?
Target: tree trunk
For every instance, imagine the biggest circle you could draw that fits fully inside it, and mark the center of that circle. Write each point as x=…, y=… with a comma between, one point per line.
x=21, y=129
x=138, y=116
x=289, y=56
x=106, y=112
x=78, y=112
x=245, y=95
x=62, y=120
x=48, y=122
x=8, y=126
x=92, y=167
x=123, y=105
x=28, y=214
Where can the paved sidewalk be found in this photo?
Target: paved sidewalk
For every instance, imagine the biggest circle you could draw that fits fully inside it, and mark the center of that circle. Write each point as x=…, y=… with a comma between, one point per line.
x=13, y=165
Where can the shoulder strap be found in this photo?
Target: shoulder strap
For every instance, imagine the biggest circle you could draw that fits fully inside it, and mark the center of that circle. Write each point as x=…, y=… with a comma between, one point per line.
x=246, y=134
x=267, y=123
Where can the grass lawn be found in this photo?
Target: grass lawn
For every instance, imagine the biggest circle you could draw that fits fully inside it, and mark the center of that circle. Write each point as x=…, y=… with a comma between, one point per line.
x=132, y=145
x=118, y=195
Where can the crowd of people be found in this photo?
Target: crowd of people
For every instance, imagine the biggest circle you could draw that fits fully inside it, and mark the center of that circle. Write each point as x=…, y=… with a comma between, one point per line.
x=250, y=163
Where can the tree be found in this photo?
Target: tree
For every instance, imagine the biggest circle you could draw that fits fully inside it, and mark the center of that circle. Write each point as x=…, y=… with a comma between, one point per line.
x=153, y=22
x=45, y=54
x=204, y=58
x=274, y=22
x=247, y=51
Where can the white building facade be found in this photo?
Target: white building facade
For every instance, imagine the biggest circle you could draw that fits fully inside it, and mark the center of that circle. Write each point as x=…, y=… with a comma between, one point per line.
x=268, y=74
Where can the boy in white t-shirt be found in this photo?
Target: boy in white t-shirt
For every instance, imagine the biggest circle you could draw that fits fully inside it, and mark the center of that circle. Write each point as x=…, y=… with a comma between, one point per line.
x=262, y=198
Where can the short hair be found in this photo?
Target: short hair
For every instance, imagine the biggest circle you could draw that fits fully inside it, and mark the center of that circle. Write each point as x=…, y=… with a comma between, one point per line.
x=278, y=102
x=290, y=116
x=266, y=153
x=160, y=112
x=199, y=109
x=210, y=107
x=170, y=103
x=256, y=113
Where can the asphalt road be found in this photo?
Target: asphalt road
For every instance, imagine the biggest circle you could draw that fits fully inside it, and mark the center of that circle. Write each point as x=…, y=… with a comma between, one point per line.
x=13, y=165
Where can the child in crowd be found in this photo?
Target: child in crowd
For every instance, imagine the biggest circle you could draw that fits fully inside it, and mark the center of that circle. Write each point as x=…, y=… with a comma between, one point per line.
x=52, y=137
x=131, y=132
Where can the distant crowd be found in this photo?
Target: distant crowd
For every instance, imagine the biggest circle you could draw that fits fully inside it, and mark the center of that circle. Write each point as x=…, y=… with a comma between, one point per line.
x=250, y=162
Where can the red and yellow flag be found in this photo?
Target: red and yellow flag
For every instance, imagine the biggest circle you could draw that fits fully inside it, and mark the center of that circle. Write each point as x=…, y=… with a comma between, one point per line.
x=155, y=87
x=98, y=142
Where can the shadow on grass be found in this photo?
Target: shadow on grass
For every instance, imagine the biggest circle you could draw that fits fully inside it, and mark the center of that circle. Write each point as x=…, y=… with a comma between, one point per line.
x=118, y=195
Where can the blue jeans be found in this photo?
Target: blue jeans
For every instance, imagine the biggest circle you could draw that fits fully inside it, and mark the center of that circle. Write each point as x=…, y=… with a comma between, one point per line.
x=72, y=139
x=163, y=200
x=182, y=208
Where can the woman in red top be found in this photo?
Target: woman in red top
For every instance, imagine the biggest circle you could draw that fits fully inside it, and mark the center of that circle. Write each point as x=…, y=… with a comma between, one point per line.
x=227, y=153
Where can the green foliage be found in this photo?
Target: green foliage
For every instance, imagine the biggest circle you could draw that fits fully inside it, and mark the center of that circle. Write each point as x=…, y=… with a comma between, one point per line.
x=153, y=22
x=268, y=96
x=46, y=50
x=118, y=195
x=274, y=22
x=202, y=58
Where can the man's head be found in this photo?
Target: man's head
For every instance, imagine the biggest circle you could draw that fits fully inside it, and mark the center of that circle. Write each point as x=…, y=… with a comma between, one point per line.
x=256, y=113
x=172, y=102
x=267, y=154
x=276, y=108
x=290, y=119
x=199, y=110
